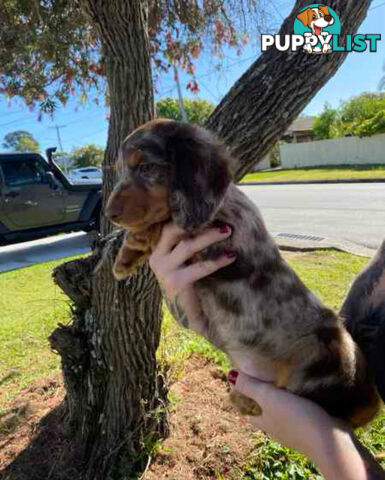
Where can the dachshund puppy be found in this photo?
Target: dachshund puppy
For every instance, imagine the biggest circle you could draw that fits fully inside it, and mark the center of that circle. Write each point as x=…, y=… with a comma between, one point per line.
x=255, y=308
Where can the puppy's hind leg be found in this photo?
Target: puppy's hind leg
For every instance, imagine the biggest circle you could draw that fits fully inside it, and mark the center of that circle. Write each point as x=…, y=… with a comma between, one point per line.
x=332, y=371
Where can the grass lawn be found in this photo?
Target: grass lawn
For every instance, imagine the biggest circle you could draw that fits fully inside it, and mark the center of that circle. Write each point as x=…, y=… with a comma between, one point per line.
x=31, y=306
x=323, y=173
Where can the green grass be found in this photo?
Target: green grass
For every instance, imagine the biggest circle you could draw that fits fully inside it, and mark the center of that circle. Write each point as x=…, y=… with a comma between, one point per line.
x=321, y=173
x=272, y=461
x=32, y=305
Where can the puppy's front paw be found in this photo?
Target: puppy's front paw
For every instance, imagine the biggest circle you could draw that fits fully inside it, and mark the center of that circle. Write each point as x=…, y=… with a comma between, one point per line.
x=121, y=270
x=326, y=48
x=245, y=405
x=127, y=262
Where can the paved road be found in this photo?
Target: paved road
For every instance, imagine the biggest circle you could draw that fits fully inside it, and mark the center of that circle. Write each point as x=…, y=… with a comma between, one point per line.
x=353, y=212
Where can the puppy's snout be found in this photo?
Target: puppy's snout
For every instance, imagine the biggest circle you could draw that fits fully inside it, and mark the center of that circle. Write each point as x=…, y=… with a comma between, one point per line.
x=328, y=18
x=114, y=210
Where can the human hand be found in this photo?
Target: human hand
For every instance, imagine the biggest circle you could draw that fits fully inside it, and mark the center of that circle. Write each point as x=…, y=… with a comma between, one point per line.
x=302, y=425
x=176, y=278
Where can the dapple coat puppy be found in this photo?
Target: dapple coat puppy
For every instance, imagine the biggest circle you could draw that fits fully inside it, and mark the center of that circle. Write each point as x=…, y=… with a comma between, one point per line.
x=255, y=308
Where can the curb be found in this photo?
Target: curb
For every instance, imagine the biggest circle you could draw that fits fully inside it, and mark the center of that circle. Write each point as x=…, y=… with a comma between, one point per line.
x=315, y=182
x=307, y=243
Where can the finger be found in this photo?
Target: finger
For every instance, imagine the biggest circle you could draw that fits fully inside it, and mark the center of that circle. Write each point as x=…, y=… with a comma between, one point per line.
x=171, y=235
x=198, y=270
x=252, y=388
x=190, y=246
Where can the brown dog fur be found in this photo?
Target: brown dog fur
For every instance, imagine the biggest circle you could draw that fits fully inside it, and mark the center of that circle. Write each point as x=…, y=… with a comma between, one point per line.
x=256, y=307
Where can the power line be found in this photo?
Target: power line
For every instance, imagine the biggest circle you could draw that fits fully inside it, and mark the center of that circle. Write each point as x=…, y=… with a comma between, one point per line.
x=8, y=114
x=90, y=134
x=215, y=70
x=14, y=121
x=377, y=6
x=180, y=96
x=58, y=127
x=216, y=97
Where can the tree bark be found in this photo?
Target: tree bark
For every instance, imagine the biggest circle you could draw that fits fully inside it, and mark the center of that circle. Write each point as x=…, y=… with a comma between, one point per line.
x=116, y=398
x=266, y=99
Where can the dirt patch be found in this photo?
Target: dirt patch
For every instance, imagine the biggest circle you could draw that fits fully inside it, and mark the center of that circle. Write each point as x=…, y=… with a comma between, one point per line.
x=208, y=438
x=32, y=444
x=22, y=416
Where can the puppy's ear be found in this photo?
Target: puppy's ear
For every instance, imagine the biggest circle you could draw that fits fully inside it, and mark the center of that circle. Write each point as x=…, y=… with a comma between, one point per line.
x=201, y=175
x=304, y=17
x=324, y=9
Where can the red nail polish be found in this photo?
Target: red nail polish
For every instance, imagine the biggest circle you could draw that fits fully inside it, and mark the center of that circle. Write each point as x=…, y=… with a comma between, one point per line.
x=232, y=376
x=231, y=254
x=224, y=229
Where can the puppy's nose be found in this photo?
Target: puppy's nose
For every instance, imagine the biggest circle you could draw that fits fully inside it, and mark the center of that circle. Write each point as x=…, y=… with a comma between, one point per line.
x=328, y=18
x=114, y=211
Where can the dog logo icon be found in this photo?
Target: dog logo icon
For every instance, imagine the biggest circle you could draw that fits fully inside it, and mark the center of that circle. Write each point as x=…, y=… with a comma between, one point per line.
x=317, y=23
x=317, y=30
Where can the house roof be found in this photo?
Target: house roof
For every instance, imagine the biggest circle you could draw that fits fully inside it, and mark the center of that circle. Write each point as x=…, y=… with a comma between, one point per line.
x=302, y=124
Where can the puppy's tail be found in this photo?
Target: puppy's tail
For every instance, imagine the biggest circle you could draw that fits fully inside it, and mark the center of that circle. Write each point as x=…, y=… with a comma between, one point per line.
x=334, y=373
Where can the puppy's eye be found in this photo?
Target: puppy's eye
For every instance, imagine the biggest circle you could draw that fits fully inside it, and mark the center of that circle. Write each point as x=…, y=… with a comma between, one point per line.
x=148, y=168
x=314, y=17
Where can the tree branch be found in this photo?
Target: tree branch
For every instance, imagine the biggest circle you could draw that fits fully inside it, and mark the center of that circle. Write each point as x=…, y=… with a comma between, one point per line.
x=263, y=103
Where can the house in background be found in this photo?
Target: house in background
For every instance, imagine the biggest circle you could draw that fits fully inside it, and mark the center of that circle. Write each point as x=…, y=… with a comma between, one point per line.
x=300, y=131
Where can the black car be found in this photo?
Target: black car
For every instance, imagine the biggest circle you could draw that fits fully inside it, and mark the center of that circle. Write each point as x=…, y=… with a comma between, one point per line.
x=37, y=199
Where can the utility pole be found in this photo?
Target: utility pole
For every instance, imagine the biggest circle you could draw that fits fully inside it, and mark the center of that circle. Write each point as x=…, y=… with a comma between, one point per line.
x=58, y=127
x=181, y=102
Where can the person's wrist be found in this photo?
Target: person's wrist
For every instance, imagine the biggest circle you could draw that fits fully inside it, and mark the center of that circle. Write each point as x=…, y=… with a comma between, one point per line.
x=335, y=453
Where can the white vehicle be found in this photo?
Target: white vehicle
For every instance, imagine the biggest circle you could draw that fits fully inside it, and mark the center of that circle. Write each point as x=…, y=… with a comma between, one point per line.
x=85, y=174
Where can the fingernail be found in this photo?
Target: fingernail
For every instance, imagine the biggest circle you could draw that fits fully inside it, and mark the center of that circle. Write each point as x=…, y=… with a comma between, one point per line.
x=224, y=229
x=232, y=376
x=230, y=254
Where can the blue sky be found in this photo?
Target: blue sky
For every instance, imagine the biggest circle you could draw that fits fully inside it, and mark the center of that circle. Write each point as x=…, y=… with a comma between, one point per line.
x=82, y=124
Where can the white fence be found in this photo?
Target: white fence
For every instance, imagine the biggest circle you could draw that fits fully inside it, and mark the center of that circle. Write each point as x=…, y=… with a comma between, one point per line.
x=336, y=151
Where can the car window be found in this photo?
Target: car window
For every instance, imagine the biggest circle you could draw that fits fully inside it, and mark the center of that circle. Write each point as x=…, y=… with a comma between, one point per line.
x=23, y=172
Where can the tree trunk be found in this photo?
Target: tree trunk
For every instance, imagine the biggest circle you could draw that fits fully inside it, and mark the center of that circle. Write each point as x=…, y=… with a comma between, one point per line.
x=263, y=103
x=115, y=395
x=116, y=398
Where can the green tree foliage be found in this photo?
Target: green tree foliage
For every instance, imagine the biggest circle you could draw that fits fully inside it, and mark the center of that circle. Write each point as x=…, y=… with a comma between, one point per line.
x=21, y=141
x=90, y=155
x=363, y=115
x=50, y=51
x=59, y=154
x=371, y=126
x=197, y=110
x=325, y=124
